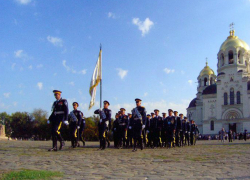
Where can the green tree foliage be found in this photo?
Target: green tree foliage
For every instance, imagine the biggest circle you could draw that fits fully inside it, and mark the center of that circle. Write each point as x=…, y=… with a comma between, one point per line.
x=21, y=125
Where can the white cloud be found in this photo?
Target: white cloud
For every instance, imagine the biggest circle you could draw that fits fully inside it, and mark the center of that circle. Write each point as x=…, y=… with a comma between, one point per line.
x=111, y=15
x=182, y=72
x=18, y=53
x=72, y=83
x=84, y=71
x=72, y=70
x=7, y=95
x=166, y=70
x=55, y=74
x=24, y=2
x=22, y=55
x=13, y=65
x=190, y=82
x=122, y=73
x=145, y=94
x=39, y=66
x=40, y=85
x=14, y=103
x=145, y=26
x=55, y=41
x=30, y=67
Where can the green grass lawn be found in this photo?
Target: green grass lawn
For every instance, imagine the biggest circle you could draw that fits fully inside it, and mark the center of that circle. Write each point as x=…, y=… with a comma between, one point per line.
x=30, y=174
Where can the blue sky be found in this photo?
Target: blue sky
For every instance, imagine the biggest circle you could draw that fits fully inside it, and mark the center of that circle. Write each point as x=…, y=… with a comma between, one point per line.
x=152, y=49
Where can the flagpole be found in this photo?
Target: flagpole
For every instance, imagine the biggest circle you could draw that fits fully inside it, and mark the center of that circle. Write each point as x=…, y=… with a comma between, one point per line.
x=101, y=79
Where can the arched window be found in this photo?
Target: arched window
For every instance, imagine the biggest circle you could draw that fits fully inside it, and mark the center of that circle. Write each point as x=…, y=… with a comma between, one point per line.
x=239, y=57
x=225, y=98
x=238, y=97
x=232, y=96
x=205, y=81
x=211, y=81
x=230, y=57
x=222, y=60
x=212, y=125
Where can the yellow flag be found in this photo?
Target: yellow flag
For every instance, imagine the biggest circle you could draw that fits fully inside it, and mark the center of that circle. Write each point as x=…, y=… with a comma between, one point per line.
x=96, y=78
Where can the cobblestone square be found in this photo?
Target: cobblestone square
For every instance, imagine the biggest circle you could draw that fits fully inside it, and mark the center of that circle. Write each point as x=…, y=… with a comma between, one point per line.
x=205, y=160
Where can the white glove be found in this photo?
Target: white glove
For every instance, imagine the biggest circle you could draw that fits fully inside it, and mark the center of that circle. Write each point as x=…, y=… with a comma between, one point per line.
x=143, y=126
x=130, y=127
x=147, y=131
x=66, y=122
x=78, y=127
x=48, y=122
x=100, y=120
x=114, y=128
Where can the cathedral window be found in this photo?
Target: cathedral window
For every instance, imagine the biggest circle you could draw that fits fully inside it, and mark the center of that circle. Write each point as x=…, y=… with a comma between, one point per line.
x=205, y=81
x=211, y=81
x=231, y=96
x=222, y=59
x=238, y=97
x=240, y=57
x=225, y=98
x=230, y=57
x=212, y=125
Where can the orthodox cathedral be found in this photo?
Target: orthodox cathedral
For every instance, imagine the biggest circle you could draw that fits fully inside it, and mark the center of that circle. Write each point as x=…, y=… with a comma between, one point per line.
x=223, y=101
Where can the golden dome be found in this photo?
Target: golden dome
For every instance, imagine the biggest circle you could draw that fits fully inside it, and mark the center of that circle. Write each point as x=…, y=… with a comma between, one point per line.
x=206, y=71
x=234, y=41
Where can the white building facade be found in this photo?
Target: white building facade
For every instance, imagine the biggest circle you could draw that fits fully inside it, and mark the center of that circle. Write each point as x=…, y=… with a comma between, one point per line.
x=223, y=101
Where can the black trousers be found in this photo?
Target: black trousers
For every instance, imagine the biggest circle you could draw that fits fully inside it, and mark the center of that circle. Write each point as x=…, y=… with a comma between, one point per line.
x=102, y=136
x=181, y=138
x=187, y=138
x=137, y=136
x=56, y=134
x=129, y=138
x=122, y=134
x=73, y=133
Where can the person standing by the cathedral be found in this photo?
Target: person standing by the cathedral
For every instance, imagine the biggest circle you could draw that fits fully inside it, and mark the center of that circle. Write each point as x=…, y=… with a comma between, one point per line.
x=58, y=116
x=75, y=118
x=222, y=134
x=104, y=124
x=245, y=135
x=138, y=116
x=187, y=133
x=163, y=130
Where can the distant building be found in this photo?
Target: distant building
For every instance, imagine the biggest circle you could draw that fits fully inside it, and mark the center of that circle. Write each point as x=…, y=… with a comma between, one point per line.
x=224, y=100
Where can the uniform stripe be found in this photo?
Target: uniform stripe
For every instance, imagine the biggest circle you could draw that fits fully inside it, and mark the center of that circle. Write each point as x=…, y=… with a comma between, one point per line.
x=59, y=127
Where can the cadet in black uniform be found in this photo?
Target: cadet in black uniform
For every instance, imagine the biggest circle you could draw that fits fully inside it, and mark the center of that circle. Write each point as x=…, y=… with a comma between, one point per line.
x=144, y=131
x=59, y=114
x=75, y=118
x=104, y=124
x=177, y=128
x=129, y=132
x=115, y=130
x=147, y=129
x=81, y=131
x=187, y=133
x=122, y=130
x=163, y=130
x=182, y=132
x=192, y=133
x=138, y=116
x=170, y=129
x=159, y=124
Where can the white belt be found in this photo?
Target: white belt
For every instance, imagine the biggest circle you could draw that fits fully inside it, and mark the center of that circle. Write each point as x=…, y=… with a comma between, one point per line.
x=59, y=112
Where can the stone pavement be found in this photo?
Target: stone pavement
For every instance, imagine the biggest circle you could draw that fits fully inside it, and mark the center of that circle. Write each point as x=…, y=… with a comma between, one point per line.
x=206, y=160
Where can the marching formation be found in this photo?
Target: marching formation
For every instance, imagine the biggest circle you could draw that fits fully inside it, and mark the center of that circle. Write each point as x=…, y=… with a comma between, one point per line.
x=131, y=130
